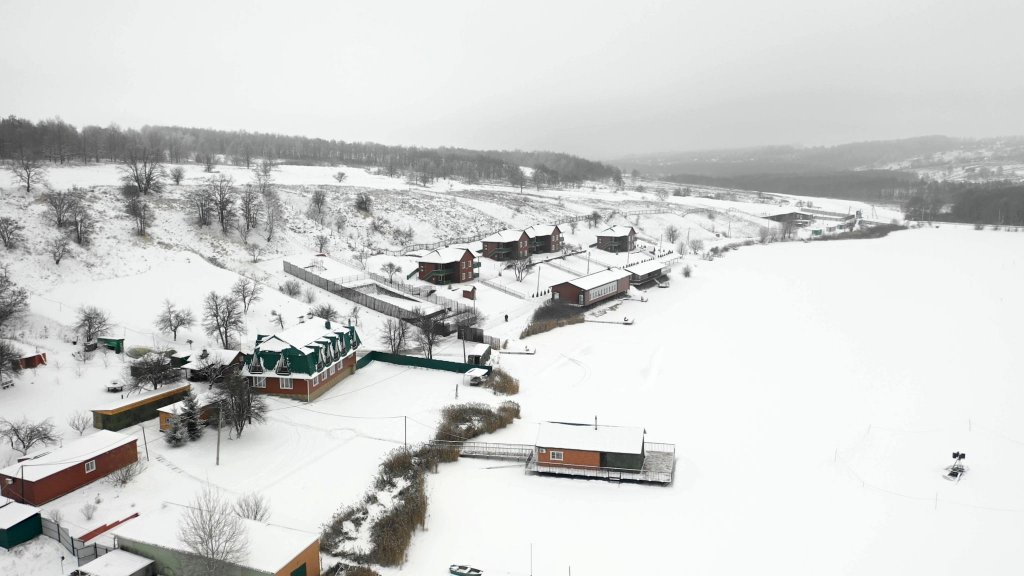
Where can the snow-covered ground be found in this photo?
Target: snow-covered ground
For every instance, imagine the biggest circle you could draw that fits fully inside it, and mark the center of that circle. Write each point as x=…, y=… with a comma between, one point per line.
x=814, y=393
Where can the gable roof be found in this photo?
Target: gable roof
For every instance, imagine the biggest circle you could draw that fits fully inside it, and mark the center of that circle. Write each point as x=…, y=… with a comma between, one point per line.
x=647, y=267
x=598, y=278
x=215, y=357
x=510, y=235
x=616, y=231
x=617, y=439
x=301, y=336
x=72, y=454
x=444, y=255
x=542, y=230
x=270, y=547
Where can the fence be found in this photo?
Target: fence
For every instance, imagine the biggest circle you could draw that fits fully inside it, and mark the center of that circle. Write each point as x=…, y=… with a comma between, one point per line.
x=416, y=361
x=471, y=334
x=499, y=451
x=77, y=548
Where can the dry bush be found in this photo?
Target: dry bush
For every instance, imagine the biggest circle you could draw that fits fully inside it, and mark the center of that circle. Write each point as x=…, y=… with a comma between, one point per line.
x=552, y=315
x=80, y=421
x=253, y=506
x=88, y=510
x=392, y=532
x=501, y=382
x=292, y=288
x=123, y=476
x=687, y=271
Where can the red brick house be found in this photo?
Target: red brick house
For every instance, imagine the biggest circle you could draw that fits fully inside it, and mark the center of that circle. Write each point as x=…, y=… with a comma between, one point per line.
x=507, y=245
x=448, y=265
x=303, y=361
x=48, y=475
x=589, y=446
x=544, y=238
x=617, y=239
x=592, y=288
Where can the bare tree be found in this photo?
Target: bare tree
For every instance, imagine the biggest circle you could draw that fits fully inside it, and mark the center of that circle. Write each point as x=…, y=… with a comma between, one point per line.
x=143, y=168
x=340, y=177
x=149, y=373
x=137, y=207
x=318, y=205
x=362, y=255
x=222, y=193
x=82, y=222
x=209, y=162
x=9, y=353
x=13, y=298
x=395, y=335
x=696, y=245
x=428, y=331
x=364, y=202
x=273, y=212
x=247, y=290
x=391, y=269
x=671, y=233
x=177, y=175
x=222, y=317
x=91, y=322
x=593, y=219
x=80, y=421
x=211, y=530
x=322, y=242
x=58, y=247
x=171, y=319
x=521, y=268
x=29, y=170
x=251, y=203
x=11, y=232
x=325, y=311
x=573, y=225
x=23, y=434
x=254, y=250
x=59, y=205
x=239, y=405
x=253, y=506
x=201, y=201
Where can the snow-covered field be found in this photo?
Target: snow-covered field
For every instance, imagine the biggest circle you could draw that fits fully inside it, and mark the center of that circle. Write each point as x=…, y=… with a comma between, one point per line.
x=814, y=393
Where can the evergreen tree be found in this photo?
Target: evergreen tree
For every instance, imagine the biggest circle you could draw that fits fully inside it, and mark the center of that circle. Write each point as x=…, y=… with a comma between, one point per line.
x=178, y=434
x=190, y=417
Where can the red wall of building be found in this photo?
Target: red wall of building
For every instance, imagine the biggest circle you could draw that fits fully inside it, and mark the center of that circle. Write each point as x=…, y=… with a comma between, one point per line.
x=68, y=480
x=567, y=293
x=570, y=458
x=303, y=388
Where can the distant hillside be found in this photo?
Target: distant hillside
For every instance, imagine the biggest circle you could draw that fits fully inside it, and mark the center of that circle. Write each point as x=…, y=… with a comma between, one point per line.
x=61, y=143
x=866, y=185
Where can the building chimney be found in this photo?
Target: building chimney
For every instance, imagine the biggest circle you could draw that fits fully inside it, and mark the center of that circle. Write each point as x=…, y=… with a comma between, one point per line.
x=327, y=324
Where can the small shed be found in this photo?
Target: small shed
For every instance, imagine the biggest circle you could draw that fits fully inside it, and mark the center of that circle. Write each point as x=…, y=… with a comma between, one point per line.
x=648, y=271
x=45, y=476
x=211, y=364
x=115, y=344
x=589, y=446
x=119, y=563
x=19, y=523
x=138, y=408
x=179, y=359
x=477, y=353
x=32, y=361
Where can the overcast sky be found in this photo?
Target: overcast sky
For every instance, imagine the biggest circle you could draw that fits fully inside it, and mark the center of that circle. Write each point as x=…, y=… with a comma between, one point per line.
x=595, y=78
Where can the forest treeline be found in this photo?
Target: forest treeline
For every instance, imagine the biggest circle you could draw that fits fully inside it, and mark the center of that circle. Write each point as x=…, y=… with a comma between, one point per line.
x=57, y=141
x=996, y=203
x=866, y=185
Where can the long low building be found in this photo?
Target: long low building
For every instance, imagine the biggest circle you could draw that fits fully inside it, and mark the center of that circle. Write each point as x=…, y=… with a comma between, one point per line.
x=647, y=271
x=592, y=288
x=48, y=475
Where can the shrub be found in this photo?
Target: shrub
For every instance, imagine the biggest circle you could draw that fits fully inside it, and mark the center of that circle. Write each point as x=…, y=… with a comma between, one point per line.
x=687, y=271
x=551, y=315
x=309, y=295
x=88, y=510
x=501, y=382
x=292, y=288
x=125, y=475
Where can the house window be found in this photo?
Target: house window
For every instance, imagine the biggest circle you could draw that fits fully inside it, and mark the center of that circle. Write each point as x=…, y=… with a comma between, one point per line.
x=556, y=455
x=259, y=383
x=286, y=383
x=90, y=466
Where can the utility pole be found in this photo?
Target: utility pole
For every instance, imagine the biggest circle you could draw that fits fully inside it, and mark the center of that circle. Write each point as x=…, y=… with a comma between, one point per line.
x=538, y=278
x=405, y=432
x=146, y=444
x=588, y=261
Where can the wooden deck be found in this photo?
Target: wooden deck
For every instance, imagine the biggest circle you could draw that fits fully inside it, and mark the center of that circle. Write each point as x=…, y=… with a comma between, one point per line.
x=658, y=468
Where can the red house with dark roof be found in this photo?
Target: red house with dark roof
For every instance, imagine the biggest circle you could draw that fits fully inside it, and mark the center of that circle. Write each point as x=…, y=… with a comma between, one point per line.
x=617, y=239
x=507, y=245
x=544, y=238
x=448, y=265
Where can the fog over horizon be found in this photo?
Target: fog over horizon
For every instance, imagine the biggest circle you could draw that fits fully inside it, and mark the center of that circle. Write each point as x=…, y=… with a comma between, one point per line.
x=597, y=79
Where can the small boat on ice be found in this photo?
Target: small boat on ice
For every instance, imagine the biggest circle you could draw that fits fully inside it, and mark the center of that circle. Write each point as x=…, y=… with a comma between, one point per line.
x=463, y=570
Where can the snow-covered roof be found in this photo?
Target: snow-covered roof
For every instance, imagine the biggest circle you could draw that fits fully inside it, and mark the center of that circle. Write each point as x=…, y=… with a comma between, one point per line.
x=541, y=230
x=615, y=231
x=509, y=235
x=301, y=335
x=116, y=563
x=646, y=267
x=270, y=547
x=214, y=357
x=72, y=454
x=596, y=279
x=617, y=439
x=12, y=513
x=130, y=399
x=476, y=348
x=444, y=255
x=204, y=399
